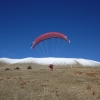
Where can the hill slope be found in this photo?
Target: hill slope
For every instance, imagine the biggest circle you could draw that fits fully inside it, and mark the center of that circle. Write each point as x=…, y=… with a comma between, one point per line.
x=47, y=61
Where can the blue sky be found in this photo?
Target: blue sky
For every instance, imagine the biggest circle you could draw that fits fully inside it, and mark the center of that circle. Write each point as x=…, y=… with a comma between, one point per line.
x=21, y=21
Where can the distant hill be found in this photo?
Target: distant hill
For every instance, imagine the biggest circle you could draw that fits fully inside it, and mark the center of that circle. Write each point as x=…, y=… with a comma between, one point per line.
x=50, y=60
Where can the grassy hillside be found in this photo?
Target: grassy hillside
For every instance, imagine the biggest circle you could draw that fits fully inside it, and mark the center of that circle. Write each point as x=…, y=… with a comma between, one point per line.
x=2, y=64
x=40, y=83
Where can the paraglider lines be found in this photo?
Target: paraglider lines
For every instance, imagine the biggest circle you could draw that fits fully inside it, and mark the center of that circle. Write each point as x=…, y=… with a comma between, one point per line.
x=62, y=47
x=39, y=51
x=43, y=50
x=56, y=49
x=46, y=47
x=52, y=47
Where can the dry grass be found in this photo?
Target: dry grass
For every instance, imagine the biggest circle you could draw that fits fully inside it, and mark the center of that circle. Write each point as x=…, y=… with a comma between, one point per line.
x=42, y=84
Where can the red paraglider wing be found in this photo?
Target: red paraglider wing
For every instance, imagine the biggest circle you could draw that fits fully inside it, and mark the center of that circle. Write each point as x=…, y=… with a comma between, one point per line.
x=47, y=36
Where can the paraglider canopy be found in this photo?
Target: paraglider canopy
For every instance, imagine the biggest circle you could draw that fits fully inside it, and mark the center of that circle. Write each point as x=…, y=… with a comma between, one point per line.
x=47, y=36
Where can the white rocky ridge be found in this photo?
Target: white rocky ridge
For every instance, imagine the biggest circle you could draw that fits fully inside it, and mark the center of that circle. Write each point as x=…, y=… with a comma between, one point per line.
x=51, y=60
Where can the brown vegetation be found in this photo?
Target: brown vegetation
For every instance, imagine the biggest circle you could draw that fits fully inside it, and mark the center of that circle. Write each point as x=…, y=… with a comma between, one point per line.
x=89, y=87
x=60, y=84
